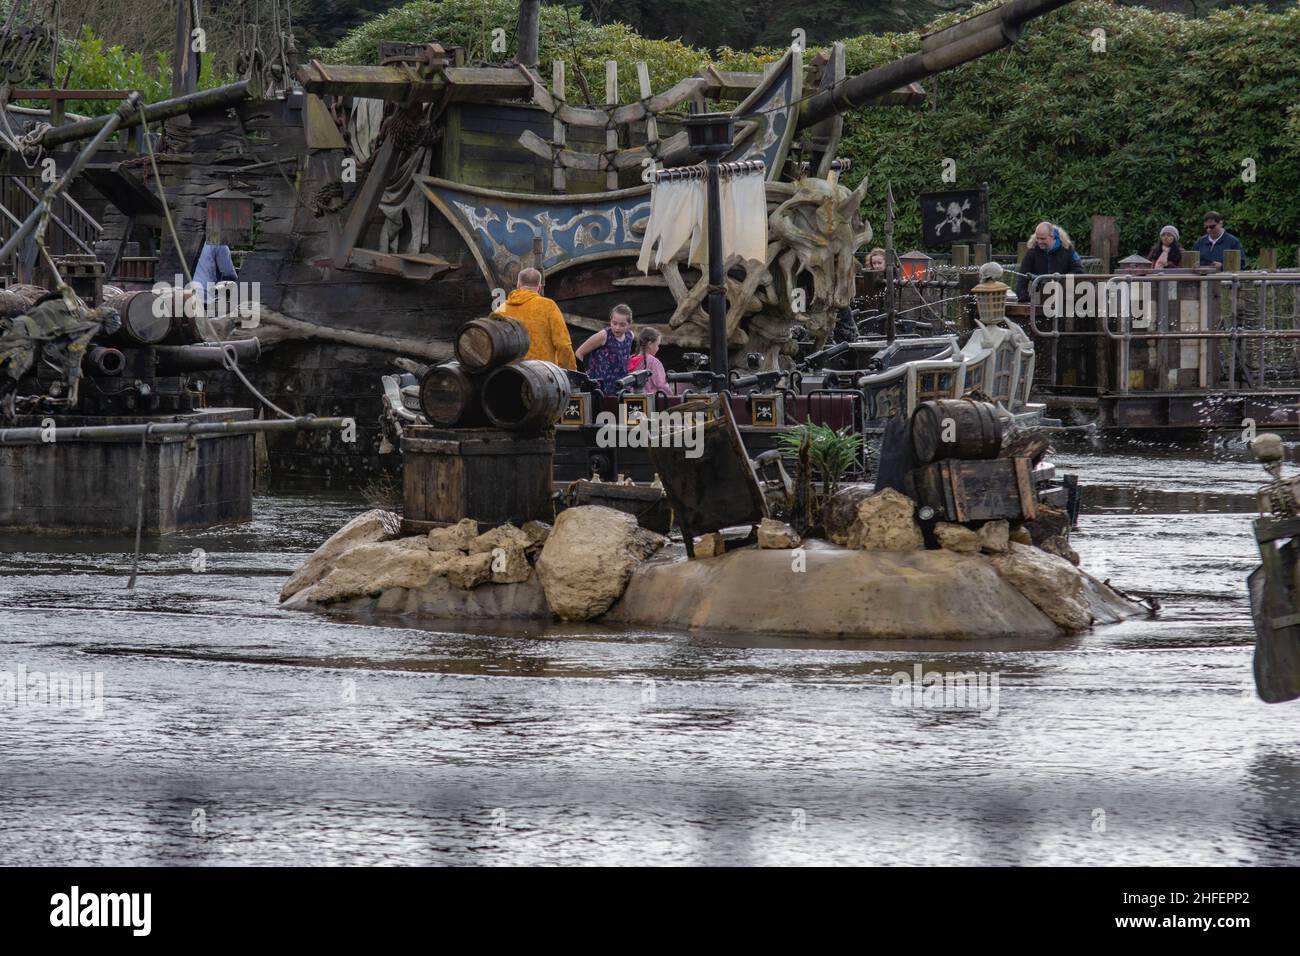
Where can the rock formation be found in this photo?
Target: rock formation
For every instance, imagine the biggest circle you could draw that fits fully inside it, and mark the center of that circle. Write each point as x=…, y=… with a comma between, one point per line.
x=589, y=557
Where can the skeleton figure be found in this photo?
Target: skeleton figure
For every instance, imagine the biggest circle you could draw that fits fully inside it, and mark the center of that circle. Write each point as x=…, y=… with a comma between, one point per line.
x=814, y=226
x=954, y=217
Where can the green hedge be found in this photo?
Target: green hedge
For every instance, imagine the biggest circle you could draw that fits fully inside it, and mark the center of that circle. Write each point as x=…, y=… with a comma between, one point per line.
x=1152, y=131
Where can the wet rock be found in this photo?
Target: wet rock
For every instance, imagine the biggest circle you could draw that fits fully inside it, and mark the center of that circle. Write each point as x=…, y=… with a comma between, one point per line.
x=957, y=537
x=1050, y=523
x=502, y=536
x=589, y=557
x=538, y=532
x=510, y=566
x=885, y=523
x=367, y=528
x=995, y=536
x=1060, y=546
x=1020, y=535
x=861, y=594
x=457, y=537
x=840, y=512
x=710, y=545
x=469, y=570
x=419, y=542
x=441, y=600
x=776, y=535
x=369, y=569
x=1051, y=583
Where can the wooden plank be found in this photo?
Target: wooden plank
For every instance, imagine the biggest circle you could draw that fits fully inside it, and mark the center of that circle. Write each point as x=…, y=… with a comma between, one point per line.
x=574, y=116
x=683, y=90
x=365, y=202
x=1025, y=484
x=611, y=133
x=651, y=123
x=319, y=127
x=558, y=131
x=379, y=82
x=479, y=83
x=730, y=85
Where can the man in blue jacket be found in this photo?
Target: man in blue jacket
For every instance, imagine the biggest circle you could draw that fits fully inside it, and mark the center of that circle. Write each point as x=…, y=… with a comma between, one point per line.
x=1217, y=241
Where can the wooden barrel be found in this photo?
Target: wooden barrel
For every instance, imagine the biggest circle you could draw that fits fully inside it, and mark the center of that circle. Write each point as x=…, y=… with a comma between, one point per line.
x=525, y=396
x=145, y=320
x=482, y=344
x=953, y=428
x=449, y=396
x=485, y=474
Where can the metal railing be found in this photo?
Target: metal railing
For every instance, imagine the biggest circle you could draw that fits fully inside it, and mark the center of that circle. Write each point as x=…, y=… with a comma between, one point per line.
x=1246, y=327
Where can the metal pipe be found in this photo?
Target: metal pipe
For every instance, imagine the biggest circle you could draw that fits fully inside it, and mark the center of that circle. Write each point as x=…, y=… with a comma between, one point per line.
x=942, y=50
x=106, y=128
x=717, y=291
x=38, y=436
x=179, y=359
x=106, y=361
x=165, y=109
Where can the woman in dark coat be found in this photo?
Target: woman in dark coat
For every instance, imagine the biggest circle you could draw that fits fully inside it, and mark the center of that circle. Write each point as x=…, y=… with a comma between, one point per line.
x=1166, y=252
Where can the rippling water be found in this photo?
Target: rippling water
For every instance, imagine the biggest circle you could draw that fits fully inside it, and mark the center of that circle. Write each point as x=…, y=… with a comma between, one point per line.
x=234, y=732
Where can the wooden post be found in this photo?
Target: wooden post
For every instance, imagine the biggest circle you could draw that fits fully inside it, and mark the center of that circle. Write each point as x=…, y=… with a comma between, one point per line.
x=185, y=62
x=1268, y=260
x=982, y=253
x=611, y=134
x=1191, y=258
x=558, y=134
x=961, y=255
x=1232, y=260
x=526, y=29
x=651, y=124
x=1021, y=249
x=1105, y=261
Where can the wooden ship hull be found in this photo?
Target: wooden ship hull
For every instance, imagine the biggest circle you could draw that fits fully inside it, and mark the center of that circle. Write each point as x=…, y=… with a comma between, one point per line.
x=378, y=230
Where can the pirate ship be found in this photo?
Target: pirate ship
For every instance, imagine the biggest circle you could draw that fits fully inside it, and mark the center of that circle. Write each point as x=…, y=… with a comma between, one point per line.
x=375, y=208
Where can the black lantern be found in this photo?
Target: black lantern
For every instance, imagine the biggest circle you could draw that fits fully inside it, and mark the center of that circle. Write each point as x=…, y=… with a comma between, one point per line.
x=230, y=218
x=709, y=134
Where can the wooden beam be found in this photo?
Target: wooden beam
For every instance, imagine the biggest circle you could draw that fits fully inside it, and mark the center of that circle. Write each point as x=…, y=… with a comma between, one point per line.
x=651, y=124
x=611, y=132
x=365, y=202
x=558, y=131
x=319, y=128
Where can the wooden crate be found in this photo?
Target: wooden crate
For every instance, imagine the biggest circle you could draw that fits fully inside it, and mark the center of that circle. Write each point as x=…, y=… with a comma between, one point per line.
x=962, y=491
x=491, y=476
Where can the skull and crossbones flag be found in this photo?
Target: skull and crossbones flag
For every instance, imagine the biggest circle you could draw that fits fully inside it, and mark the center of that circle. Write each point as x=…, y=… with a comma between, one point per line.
x=957, y=216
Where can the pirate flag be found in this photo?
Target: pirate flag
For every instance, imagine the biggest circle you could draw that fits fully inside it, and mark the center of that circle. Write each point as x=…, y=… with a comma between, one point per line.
x=957, y=216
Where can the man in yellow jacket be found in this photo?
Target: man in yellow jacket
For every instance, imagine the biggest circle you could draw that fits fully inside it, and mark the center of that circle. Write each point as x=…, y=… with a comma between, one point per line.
x=548, y=336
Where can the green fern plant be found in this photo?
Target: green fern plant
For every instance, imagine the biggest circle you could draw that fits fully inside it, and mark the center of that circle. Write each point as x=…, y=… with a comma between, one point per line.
x=832, y=453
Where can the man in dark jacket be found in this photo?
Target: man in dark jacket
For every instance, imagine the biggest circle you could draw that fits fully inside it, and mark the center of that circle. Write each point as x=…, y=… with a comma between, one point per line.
x=1050, y=252
x=1217, y=241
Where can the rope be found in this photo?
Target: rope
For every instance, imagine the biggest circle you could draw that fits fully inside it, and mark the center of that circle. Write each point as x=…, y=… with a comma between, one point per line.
x=228, y=358
x=139, y=508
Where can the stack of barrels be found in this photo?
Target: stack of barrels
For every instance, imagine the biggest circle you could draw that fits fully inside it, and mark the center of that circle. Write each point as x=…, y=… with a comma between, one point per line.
x=485, y=453
x=491, y=384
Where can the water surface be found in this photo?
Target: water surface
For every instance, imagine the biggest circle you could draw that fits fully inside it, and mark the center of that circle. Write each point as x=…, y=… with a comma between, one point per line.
x=236, y=732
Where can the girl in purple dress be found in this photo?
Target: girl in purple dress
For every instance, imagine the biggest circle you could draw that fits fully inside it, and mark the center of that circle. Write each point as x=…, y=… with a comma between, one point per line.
x=607, y=352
